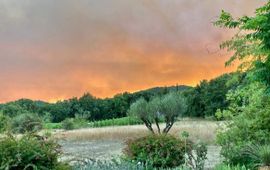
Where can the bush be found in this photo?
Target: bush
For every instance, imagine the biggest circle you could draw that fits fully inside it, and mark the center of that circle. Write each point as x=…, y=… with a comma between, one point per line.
x=198, y=156
x=250, y=112
x=68, y=124
x=245, y=129
x=163, y=151
x=80, y=122
x=259, y=154
x=29, y=152
x=26, y=123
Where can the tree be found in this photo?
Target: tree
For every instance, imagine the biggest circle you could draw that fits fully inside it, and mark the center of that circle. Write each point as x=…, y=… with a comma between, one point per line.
x=209, y=96
x=140, y=110
x=250, y=45
x=172, y=106
x=13, y=109
x=166, y=108
x=249, y=103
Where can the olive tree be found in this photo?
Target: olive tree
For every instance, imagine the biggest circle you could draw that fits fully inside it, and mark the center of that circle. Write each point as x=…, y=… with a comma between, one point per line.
x=139, y=109
x=166, y=108
x=173, y=105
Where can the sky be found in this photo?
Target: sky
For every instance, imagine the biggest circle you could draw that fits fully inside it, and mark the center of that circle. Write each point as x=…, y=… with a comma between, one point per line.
x=53, y=50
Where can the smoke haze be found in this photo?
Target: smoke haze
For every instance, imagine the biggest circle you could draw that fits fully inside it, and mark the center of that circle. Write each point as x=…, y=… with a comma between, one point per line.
x=53, y=50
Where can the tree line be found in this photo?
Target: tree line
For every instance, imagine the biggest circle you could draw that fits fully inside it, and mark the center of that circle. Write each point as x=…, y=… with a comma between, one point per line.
x=202, y=101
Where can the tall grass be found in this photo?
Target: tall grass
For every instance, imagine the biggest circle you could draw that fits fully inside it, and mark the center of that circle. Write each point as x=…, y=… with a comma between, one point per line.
x=228, y=167
x=198, y=130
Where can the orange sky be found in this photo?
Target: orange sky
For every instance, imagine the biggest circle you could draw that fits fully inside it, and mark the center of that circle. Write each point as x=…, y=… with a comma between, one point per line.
x=53, y=50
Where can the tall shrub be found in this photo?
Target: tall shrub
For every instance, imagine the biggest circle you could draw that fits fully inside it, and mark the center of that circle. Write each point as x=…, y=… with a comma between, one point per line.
x=27, y=122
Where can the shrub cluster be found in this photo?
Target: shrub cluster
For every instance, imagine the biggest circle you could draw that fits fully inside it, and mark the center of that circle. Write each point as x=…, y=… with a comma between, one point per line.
x=68, y=124
x=26, y=123
x=249, y=127
x=29, y=152
x=158, y=150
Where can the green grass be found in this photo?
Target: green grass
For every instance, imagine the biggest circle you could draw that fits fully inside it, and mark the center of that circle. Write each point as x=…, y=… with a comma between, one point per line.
x=52, y=125
x=102, y=123
x=115, y=122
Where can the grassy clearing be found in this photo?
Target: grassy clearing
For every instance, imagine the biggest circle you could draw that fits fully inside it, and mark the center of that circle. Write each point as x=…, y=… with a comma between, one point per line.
x=52, y=125
x=198, y=129
x=78, y=123
x=116, y=122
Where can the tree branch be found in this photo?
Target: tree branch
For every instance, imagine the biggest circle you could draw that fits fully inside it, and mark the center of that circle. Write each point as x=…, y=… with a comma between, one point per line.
x=148, y=124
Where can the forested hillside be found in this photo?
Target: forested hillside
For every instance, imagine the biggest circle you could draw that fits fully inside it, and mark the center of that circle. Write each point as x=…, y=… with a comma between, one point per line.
x=203, y=100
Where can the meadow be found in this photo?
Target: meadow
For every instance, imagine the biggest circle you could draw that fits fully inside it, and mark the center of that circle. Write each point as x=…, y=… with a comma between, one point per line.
x=107, y=143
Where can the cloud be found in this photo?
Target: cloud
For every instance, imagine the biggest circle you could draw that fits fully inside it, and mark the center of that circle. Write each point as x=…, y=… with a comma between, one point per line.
x=59, y=49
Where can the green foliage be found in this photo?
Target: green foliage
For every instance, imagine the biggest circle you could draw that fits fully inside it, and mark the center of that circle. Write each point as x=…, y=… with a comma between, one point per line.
x=242, y=97
x=251, y=43
x=87, y=106
x=249, y=104
x=228, y=167
x=209, y=96
x=26, y=122
x=29, y=152
x=52, y=125
x=115, y=122
x=249, y=124
x=3, y=123
x=259, y=154
x=172, y=106
x=82, y=123
x=12, y=110
x=140, y=109
x=163, y=151
x=198, y=156
x=166, y=108
x=68, y=124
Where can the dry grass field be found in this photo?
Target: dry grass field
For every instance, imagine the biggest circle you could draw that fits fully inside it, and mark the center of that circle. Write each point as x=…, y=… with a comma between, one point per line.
x=107, y=142
x=198, y=130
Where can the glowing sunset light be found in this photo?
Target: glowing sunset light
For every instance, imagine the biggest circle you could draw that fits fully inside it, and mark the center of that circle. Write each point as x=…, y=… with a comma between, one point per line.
x=53, y=50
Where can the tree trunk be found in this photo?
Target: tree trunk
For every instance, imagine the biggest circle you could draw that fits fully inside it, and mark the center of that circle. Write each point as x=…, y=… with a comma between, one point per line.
x=148, y=125
x=171, y=124
x=156, y=121
x=168, y=127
